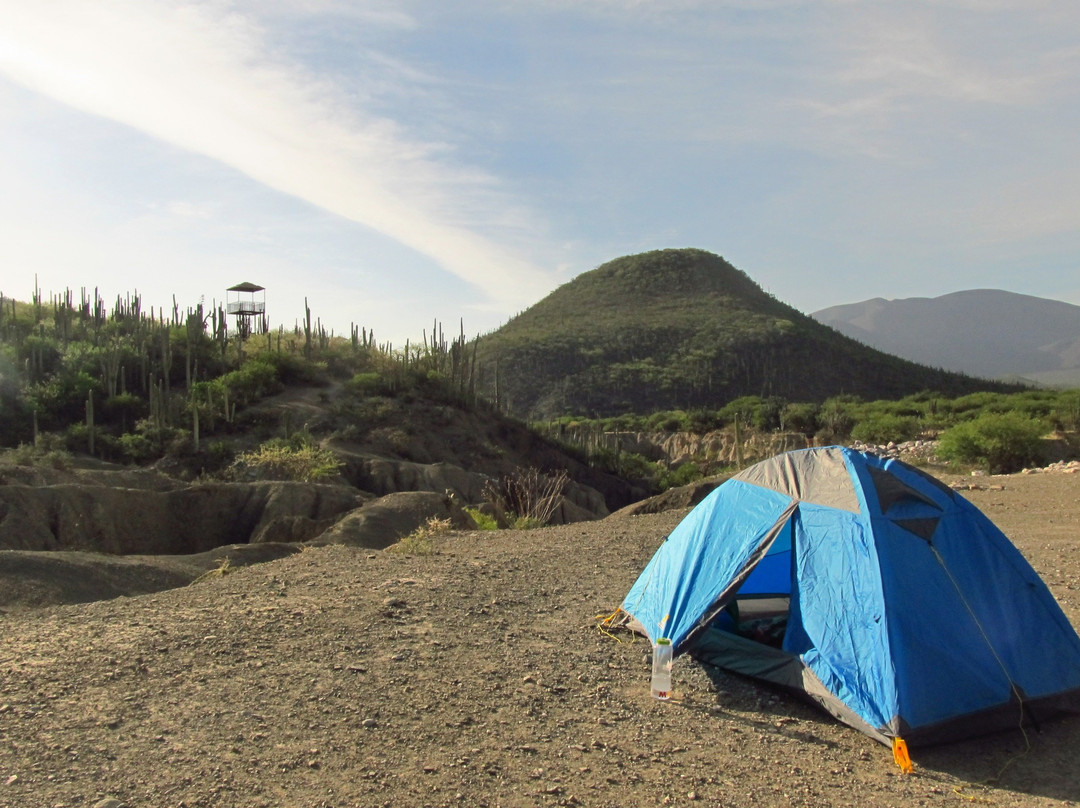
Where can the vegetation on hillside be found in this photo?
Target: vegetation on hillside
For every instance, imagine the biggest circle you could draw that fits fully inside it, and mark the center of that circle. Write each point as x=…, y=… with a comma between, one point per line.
x=123, y=383
x=668, y=341
x=128, y=385
x=1001, y=432
x=682, y=329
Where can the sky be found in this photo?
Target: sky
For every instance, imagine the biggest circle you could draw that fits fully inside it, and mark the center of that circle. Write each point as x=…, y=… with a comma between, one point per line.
x=398, y=164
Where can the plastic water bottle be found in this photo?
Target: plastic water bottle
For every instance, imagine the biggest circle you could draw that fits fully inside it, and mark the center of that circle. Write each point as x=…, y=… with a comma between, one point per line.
x=662, y=658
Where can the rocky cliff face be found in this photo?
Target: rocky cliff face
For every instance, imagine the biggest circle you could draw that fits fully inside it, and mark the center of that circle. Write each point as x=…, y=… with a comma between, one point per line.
x=718, y=448
x=191, y=519
x=77, y=512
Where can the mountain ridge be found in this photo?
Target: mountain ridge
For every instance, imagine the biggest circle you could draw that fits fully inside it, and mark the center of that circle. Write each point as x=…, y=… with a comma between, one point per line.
x=984, y=332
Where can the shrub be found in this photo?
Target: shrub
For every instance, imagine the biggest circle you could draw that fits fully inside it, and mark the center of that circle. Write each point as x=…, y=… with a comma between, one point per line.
x=674, y=421
x=369, y=383
x=278, y=460
x=419, y=542
x=883, y=427
x=768, y=415
x=256, y=379
x=701, y=421
x=745, y=409
x=219, y=454
x=835, y=415
x=26, y=454
x=799, y=418
x=1003, y=442
x=681, y=475
x=530, y=495
x=484, y=521
x=135, y=447
x=1066, y=413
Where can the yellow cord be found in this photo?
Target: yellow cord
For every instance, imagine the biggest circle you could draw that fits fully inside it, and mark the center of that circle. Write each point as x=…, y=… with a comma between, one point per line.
x=608, y=621
x=959, y=791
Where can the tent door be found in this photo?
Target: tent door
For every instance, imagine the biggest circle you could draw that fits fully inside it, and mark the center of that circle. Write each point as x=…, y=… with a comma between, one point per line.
x=761, y=606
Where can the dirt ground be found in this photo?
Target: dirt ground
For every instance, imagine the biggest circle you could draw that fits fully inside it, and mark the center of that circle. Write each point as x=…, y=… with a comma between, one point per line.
x=472, y=676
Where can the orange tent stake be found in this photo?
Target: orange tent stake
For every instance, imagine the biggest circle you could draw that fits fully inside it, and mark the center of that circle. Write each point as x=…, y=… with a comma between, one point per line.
x=900, y=755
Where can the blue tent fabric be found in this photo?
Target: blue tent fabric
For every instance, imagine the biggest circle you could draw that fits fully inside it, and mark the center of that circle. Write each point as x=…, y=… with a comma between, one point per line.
x=694, y=570
x=910, y=614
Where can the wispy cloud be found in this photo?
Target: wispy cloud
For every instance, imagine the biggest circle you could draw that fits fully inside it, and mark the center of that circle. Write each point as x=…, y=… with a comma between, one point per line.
x=800, y=138
x=201, y=77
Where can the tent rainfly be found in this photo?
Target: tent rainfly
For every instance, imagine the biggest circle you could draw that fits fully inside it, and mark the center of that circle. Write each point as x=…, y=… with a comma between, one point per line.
x=869, y=587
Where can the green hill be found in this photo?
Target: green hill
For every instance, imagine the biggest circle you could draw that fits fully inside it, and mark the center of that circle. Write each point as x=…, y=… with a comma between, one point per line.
x=679, y=329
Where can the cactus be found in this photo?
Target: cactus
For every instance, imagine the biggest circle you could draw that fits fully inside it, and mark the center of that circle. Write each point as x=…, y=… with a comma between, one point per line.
x=195, y=423
x=90, y=420
x=307, y=330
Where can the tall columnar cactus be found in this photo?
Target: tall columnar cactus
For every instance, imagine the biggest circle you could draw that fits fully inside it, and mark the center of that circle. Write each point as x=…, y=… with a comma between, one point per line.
x=90, y=421
x=195, y=422
x=307, y=330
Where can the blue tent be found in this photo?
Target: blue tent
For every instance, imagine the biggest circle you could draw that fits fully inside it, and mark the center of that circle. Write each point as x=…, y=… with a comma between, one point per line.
x=868, y=586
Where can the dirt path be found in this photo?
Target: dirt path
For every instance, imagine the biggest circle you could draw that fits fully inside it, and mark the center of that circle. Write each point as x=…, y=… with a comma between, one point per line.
x=473, y=676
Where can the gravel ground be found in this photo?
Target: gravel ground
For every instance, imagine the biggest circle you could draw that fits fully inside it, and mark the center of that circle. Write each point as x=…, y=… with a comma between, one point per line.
x=474, y=675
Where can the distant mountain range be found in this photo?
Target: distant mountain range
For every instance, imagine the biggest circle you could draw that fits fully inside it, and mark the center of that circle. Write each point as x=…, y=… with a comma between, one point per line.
x=981, y=332
x=681, y=329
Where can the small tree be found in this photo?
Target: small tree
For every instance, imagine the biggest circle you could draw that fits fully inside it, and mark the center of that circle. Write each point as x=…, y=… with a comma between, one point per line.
x=1003, y=442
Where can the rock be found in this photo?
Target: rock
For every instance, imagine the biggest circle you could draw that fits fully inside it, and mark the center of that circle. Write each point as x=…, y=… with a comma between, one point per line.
x=685, y=496
x=29, y=578
x=386, y=520
x=191, y=519
x=719, y=446
x=384, y=475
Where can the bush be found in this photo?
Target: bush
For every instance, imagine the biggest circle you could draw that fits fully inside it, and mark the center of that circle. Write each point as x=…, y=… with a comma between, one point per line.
x=835, y=415
x=628, y=465
x=883, y=427
x=278, y=460
x=369, y=384
x=484, y=521
x=420, y=541
x=1066, y=413
x=679, y=476
x=701, y=421
x=799, y=418
x=529, y=495
x=26, y=454
x=667, y=421
x=256, y=379
x=744, y=409
x=135, y=447
x=1003, y=442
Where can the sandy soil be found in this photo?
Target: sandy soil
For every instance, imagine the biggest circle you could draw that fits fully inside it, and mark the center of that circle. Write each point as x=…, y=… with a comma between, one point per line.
x=475, y=676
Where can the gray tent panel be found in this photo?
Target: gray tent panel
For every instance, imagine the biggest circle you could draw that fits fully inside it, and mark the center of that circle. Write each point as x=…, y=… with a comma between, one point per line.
x=819, y=477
